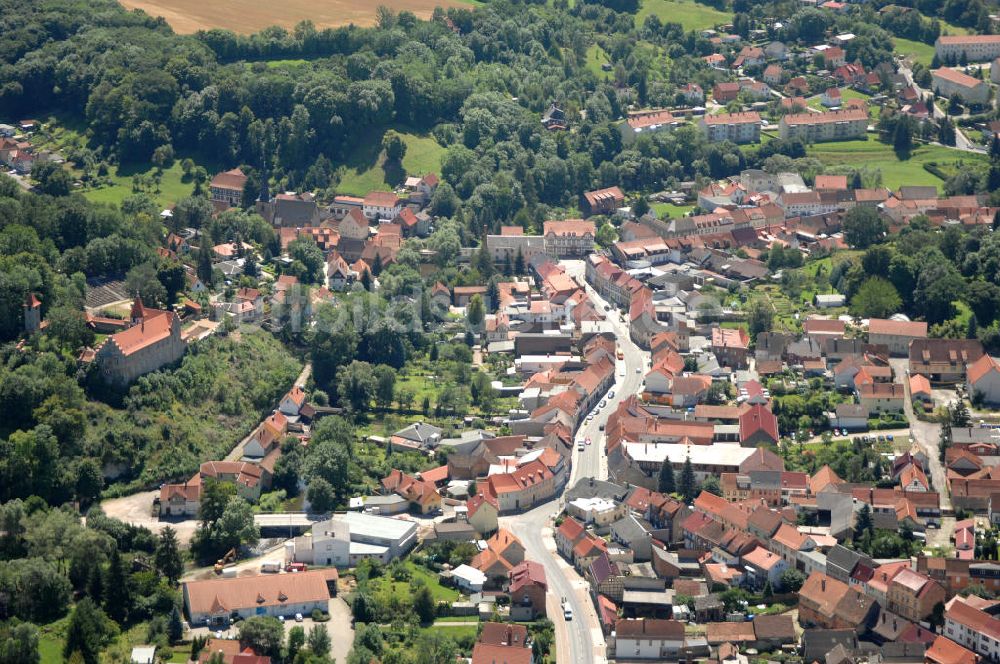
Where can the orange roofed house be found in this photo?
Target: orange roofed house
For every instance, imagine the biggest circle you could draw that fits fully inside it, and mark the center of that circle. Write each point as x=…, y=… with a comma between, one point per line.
x=382, y=205
x=731, y=347
x=217, y=601
x=603, y=201
x=895, y=334
x=152, y=340
x=832, y=604
x=913, y=595
x=422, y=495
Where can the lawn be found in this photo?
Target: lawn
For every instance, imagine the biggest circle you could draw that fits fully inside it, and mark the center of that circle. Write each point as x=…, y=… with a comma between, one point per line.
x=664, y=210
x=171, y=189
x=454, y=632
x=367, y=170
x=402, y=589
x=595, y=58
x=62, y=132
x=918, y=51
x=691, y=15
x=274, y=64
x=895, y=171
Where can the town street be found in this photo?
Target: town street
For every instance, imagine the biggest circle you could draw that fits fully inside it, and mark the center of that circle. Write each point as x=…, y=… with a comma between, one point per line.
x=580, y=639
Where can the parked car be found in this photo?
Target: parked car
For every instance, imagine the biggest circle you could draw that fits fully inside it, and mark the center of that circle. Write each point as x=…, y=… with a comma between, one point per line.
x=298, y=617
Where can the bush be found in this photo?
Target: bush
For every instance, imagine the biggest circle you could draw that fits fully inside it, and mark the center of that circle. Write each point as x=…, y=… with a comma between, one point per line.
x=319, y=616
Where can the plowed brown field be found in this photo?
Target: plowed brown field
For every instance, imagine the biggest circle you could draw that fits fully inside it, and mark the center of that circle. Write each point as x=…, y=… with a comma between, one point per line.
x=247, y=16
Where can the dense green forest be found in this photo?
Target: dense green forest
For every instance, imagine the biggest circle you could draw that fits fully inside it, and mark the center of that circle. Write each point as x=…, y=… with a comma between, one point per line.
x=59, y=441
x=477, y=80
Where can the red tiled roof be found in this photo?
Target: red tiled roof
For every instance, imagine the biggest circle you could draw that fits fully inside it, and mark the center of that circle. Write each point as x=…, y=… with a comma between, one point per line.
x=758, y=418
x=382, y=199
x=846, y=115
x=957, y=77
x=946, y=651
x=569, y=227
x=978, y=369
x=732, y=118
x=234, y=179
x=571, y=529
x=897, y=327
x=278, y=590
x=528, y=572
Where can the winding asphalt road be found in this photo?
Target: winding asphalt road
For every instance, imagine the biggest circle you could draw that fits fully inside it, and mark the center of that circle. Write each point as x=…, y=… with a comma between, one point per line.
x=580, y=639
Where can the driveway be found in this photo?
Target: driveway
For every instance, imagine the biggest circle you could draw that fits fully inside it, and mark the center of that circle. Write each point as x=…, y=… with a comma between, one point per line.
x=926, y=435
x=137, y=510
x=341, y=630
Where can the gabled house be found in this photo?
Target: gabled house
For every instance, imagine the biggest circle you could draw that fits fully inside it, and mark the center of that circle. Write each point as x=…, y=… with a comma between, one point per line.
x=983, y=379
x=422, y=495
x=758, y=425
x=527, y=590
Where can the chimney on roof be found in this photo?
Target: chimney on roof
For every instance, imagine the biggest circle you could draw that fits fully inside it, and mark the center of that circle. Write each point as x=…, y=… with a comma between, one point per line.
x=822, y=585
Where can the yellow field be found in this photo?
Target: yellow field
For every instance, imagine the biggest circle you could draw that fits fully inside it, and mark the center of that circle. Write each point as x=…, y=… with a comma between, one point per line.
x=247, y=16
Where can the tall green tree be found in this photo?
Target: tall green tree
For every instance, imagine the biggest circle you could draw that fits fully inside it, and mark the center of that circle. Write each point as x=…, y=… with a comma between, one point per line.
x=665, y=481
x=877, y=298
x=264, y=634
x=863, y=524
x=19, y=644
x=168, y=556
x=205, y=269
x=385, y=385
x=118, y=592
x=688, y=485
x=477, y=312
x=863, y=227
x=423, y=605
x=760, y=316
x=87, y=632
x=356, y=386
x=319, y=640
x=236, y=526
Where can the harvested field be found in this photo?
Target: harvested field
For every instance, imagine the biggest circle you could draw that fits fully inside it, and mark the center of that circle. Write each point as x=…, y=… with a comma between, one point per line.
x=248, y=16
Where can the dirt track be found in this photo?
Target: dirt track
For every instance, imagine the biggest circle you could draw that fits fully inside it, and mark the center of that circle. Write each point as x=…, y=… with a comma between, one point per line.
x=247, y=16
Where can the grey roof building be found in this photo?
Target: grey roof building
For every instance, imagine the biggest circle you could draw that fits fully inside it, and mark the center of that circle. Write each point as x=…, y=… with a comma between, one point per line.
x=588, y=487
x=841, y=561
x=633, y=532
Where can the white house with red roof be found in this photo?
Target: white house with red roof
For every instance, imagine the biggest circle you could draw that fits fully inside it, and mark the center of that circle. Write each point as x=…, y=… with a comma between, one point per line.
x=895, y=334
x=983, y=377
x=381, y=205
x=482, y=511
x=226, y=188
x=292, y=402
x=972, y=628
